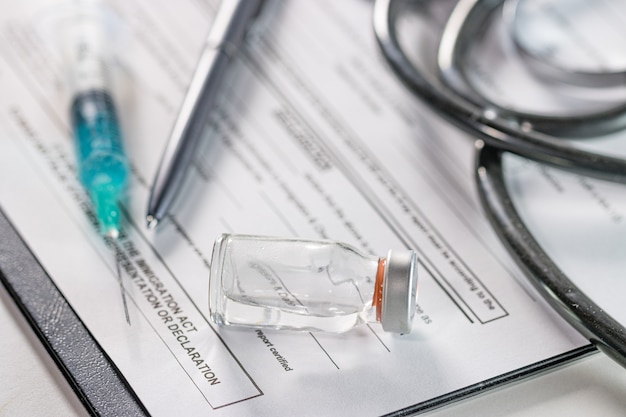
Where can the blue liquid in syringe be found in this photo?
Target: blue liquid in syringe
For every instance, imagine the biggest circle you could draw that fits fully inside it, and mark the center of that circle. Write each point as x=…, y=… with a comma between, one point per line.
x=102, y=165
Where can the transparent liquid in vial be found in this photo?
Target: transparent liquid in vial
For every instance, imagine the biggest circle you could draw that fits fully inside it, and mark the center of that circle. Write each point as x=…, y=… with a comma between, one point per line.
x=290, y=284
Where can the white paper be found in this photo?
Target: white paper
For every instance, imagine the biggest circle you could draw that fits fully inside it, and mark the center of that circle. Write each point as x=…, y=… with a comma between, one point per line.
x=317, y=139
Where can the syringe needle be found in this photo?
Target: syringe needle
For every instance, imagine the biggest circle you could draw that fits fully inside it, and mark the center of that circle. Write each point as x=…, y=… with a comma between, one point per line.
x=111, y=241
x=122, y=290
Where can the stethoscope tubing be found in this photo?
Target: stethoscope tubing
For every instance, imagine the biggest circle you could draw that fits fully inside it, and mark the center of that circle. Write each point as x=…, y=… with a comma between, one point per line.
x=562, y=294
x=497, y=135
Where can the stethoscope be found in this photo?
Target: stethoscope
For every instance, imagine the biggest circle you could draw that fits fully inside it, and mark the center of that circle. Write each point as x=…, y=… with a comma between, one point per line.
x=499, y=130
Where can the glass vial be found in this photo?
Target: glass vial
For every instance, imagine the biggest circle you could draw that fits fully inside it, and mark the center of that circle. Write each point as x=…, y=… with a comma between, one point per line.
x=297, y=284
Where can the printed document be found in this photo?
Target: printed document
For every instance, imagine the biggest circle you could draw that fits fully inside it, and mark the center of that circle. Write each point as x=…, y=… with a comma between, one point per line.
x=314, y=138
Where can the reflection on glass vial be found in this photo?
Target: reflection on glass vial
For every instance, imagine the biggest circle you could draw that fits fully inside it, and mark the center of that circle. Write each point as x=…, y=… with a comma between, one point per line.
x=296, y=284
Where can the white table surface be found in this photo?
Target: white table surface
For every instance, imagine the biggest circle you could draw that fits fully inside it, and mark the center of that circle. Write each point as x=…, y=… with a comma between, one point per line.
x=31, y=384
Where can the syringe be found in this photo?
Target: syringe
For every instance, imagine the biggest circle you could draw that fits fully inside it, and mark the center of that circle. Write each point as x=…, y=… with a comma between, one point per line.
x=101, y=162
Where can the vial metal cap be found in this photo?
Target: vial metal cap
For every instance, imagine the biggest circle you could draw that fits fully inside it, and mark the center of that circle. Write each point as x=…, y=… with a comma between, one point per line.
x=399, y=291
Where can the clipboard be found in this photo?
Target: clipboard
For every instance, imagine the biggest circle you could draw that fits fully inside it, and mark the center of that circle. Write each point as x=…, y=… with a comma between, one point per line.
x=79, y=356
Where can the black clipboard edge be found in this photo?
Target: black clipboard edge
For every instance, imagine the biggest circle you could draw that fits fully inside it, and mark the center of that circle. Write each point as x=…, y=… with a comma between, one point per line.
x=518, y=375
x=91, y=373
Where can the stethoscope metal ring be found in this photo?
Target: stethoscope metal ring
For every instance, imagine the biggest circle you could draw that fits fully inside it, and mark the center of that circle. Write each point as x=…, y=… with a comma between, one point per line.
x=607, y=74
x=464, y=24
x=490, y=124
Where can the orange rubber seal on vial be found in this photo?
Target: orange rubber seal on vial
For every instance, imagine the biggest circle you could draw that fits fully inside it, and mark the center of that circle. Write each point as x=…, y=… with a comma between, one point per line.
x=377, y=300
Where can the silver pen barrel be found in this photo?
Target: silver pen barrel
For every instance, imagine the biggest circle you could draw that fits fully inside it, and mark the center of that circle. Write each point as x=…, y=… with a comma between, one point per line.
x=226, y=34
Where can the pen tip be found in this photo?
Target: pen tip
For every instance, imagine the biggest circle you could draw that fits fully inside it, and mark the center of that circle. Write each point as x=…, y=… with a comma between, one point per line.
x=151, y=221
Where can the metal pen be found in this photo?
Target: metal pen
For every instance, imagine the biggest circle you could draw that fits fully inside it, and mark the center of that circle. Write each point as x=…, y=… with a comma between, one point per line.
x=226, y=34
